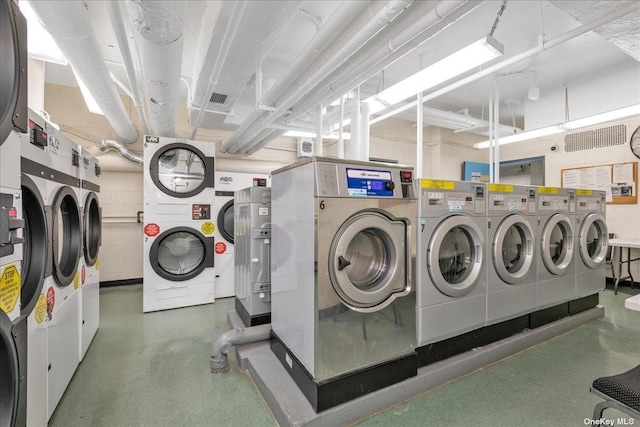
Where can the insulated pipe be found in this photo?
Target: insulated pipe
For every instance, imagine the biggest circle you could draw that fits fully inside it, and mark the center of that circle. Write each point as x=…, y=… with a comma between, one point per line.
x=340, y=131
x=225, y=342
x=496, y=134
x=419, y=135
x=111, y=144
x=354, y=143
x=319, y=142
x=364, y=132
x=346, y=37
x=69, y=24
x=158, y=28
x=115, y=14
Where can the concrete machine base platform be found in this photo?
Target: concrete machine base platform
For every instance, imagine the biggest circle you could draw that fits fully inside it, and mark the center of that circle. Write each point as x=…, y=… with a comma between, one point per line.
x=291, y=408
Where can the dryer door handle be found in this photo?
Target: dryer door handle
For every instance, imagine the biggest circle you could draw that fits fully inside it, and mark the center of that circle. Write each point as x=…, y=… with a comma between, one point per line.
x=343, y=263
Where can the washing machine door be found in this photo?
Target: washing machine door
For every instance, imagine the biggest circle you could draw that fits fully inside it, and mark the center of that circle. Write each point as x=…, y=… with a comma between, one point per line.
x=66, y=236
x=557, y=244
x=369, y=260
x=181, y=170
x=35, y=258
x=9, y=386
x=512, y=249
x=455, y=255
x=181, y=253
x=92, y=229
x=226, y=221
x=592, y=240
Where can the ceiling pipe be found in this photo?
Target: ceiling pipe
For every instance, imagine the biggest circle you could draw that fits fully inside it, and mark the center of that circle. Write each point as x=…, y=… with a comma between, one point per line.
x=334, y=44
x=419, y=23
x=158, y=28
x=111, y=144
x=115, y=14
x=69, y=24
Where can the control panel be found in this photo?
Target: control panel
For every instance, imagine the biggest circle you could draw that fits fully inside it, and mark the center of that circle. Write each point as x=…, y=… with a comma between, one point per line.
x=452, y=196
x=9, y=225
x=364, y=180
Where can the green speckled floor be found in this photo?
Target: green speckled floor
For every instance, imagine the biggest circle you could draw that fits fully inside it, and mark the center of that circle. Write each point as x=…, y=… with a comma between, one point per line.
x=153, y=370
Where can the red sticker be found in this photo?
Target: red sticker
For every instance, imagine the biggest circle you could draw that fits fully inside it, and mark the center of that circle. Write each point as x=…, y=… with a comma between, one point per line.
x=152, y=229
x=220, y=248
x=51, y=301
x=83, y=275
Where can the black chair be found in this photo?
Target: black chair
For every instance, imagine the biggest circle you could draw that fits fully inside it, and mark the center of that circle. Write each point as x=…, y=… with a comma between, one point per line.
x=609, y=257
x=621, y=392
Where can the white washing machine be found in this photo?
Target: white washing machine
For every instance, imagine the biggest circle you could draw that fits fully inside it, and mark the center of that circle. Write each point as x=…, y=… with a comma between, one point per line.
x=179, y=227
x=512, y=213
x=343, y=306
x=451, y=259
x=227, y=183
x=592, y=242
x=89, y=298
x=556, y=234
x=59, y=181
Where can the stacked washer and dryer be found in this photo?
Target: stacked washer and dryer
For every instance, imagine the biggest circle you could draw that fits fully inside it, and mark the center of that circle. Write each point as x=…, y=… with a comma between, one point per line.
x=179, y=225
x=343, y=303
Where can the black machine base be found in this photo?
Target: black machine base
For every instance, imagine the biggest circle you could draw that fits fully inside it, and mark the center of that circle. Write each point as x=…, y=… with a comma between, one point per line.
x=334, y=391
x=248, y=319
x=583, y=304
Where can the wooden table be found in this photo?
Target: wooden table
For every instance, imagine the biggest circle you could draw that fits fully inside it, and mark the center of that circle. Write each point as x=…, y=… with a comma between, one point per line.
x=621, y=244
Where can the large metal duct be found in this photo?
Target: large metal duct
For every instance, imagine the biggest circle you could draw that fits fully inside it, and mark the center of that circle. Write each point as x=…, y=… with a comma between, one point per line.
x=69, y=24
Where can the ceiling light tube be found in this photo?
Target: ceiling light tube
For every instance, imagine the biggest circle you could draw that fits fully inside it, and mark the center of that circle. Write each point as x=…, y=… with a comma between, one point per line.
x=467, y=58
x=568, y=126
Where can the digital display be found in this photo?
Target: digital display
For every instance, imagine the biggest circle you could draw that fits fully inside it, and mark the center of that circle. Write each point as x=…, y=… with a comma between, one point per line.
x=363, y=182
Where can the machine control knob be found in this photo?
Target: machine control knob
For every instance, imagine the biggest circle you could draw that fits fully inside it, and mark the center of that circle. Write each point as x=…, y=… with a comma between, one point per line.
x=390, y=185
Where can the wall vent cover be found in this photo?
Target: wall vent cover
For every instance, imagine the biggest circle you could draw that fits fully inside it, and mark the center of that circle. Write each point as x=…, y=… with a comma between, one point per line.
x=609, y=136
x=218, y=98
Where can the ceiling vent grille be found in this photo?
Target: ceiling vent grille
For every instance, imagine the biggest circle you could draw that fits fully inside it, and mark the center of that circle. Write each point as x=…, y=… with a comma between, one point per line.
x=597, y=138
x=218, y=98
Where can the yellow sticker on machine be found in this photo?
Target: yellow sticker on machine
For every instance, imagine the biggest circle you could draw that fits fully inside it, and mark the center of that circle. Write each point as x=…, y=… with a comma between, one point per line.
x=97, y=264
x=9, y=288
x=584, y=192
x=500, y=188
x=547, y=190
x=41, y=308
x=441, y=185
x=208, y=228
x=76, y=280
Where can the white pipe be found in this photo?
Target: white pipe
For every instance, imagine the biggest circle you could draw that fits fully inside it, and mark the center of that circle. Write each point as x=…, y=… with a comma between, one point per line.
x=364, y=132
x=234, y=337
x=319, y=147
x=496, y=134
x=122, y=85
x=354, y=143
x=69, y=24
x=491, y=139
x=110, y=144
x=115, y=14
x=158, y=31
x=323, y=55
x=419, y=135
x=229, y=35
x=340, y=131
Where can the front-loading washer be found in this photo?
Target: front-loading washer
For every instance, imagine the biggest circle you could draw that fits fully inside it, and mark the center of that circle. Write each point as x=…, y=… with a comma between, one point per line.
x=511, y=248
x=343, y=306
x=592, y=242
x=451, y=259
x=89, y=298
x=227, y=183
x=555, y=259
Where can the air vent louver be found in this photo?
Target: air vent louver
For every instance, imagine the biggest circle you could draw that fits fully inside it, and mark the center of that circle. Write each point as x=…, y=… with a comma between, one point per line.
x=218, y=98
x=609, y=136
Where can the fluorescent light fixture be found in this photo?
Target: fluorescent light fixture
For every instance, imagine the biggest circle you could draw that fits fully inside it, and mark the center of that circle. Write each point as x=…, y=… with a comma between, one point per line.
x=40, y=44
x=568, y=126
x=92, y=105
x=477, y=53
x=301, y=134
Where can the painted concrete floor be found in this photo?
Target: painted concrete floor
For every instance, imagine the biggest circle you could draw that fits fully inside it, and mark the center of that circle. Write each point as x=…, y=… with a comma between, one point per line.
x=153, y=370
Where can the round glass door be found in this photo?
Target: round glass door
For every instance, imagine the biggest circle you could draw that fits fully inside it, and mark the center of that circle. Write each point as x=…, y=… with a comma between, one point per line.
x=226, y=221
x=66, y=236
x=92, y=229
x=8, y=372
x=180, y=170
x=455, y=256
x=368, y=261
x=9, y=70
x=593, y=240
x=513, y=249
x=557, y=244
x=180, y=254
x=34, y=259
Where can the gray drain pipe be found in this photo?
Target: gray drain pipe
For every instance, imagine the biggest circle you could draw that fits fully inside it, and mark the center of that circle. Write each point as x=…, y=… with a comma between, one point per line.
x=226, y=341
x=111, y=144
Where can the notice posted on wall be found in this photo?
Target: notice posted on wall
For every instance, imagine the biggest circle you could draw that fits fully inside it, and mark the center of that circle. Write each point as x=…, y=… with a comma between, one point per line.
x=618, y=181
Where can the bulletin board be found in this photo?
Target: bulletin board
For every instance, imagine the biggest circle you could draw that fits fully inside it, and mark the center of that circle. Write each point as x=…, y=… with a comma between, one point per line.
x=618, y=180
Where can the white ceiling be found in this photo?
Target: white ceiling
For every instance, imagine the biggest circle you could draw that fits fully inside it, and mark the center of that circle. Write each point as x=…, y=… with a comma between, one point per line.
x=594, y=72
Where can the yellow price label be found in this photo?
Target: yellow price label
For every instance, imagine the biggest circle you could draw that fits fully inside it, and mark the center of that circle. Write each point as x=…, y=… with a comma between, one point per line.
x=76, y=280
x=97, y=264
x=9, y=288
x=584, y=192
x=547, y=190
x=440, y=185
x=41, y=309
x=500, y=188
x=208, y=228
